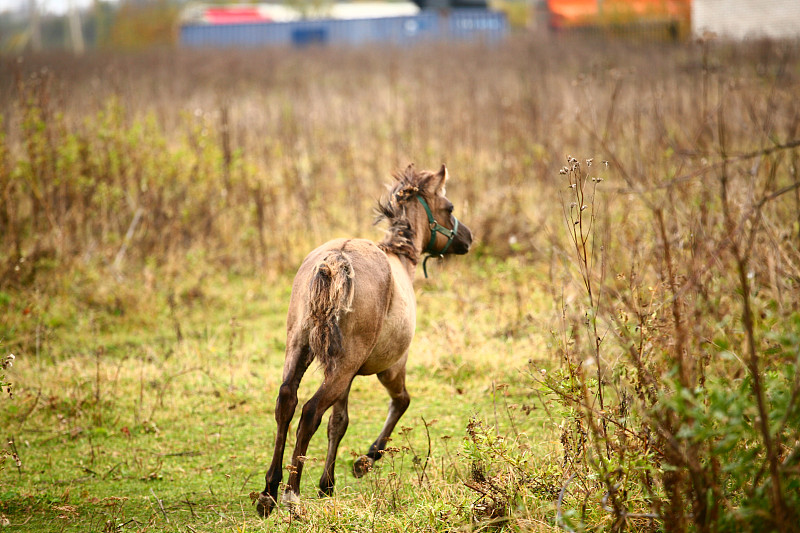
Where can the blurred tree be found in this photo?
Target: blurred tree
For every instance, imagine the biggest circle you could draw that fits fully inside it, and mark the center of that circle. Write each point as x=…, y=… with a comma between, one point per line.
x=54, y=31
x=75, y=29
x=36, y=29
x=98, y=23
x=140, y=24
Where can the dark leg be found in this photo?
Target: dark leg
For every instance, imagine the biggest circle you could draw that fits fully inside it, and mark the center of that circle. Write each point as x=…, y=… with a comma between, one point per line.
x=297, y=362
x=394, y=379
x=337, y=426
x=332, y=388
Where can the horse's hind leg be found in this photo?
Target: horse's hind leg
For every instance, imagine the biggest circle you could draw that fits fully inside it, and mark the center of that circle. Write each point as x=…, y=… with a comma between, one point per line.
x=298, y=359
x=394, y=379
x=337, y=426
x=331, y=390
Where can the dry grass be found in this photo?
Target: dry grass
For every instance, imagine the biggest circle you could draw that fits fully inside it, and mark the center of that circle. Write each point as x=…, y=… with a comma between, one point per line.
x=148, y=199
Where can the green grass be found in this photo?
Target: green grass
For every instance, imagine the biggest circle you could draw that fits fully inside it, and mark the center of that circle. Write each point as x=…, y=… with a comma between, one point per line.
x=116, y=415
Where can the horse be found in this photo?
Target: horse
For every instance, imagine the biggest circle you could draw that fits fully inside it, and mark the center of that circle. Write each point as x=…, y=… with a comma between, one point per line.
x=353, y=309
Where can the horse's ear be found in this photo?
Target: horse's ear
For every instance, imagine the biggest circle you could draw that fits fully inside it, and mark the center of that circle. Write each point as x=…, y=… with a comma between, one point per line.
x=439, y=180
x=404, y=190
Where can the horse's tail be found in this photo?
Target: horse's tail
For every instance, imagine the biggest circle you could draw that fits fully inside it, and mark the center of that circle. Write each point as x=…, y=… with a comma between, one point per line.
x=330, y=294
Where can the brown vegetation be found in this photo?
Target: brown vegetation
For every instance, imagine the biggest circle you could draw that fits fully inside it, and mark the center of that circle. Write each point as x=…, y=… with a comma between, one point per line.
x=672, y=259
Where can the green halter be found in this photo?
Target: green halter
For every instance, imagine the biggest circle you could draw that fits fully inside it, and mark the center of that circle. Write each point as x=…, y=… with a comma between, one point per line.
x=435, y=228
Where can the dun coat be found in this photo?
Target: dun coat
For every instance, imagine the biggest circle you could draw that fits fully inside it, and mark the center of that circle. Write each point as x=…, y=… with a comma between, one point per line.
x=353, y=309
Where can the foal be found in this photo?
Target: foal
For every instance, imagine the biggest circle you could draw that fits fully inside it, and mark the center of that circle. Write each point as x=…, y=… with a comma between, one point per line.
x=353, y=309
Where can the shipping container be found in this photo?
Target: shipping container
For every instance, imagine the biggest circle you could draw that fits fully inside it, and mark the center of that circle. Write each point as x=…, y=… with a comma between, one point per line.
x=458, y=24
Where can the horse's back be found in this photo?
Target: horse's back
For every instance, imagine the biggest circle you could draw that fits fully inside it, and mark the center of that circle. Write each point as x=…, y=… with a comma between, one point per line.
x=370, y=264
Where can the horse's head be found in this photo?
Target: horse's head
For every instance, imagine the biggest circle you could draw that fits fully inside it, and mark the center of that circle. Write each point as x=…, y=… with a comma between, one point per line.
x=445, y=233
x=421, y=217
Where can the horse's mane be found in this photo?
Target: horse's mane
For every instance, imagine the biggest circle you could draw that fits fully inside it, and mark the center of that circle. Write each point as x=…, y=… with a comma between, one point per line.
x=399, y=238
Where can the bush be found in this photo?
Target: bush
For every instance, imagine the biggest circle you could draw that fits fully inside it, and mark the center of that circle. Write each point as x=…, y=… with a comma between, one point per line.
x=679, y=379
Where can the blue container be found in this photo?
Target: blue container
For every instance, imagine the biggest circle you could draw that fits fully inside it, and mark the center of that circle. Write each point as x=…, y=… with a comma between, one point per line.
x=463, y=24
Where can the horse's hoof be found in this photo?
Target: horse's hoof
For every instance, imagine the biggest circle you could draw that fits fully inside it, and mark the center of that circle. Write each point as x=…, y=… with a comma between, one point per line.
x=264, y=504
x=290, y=498
x=325, y=491
x=291, y=501
x=362, y=465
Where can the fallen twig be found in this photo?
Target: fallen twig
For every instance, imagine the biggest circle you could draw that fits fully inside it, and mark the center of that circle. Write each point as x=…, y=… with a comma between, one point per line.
x=559, y=519
x=160, y=505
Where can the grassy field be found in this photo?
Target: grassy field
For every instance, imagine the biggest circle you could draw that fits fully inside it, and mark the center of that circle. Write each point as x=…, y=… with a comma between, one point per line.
x=126, y=419
x=604, y=357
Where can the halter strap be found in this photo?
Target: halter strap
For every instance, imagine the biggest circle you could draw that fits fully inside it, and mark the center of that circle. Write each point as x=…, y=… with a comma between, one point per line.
x=435, y=228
